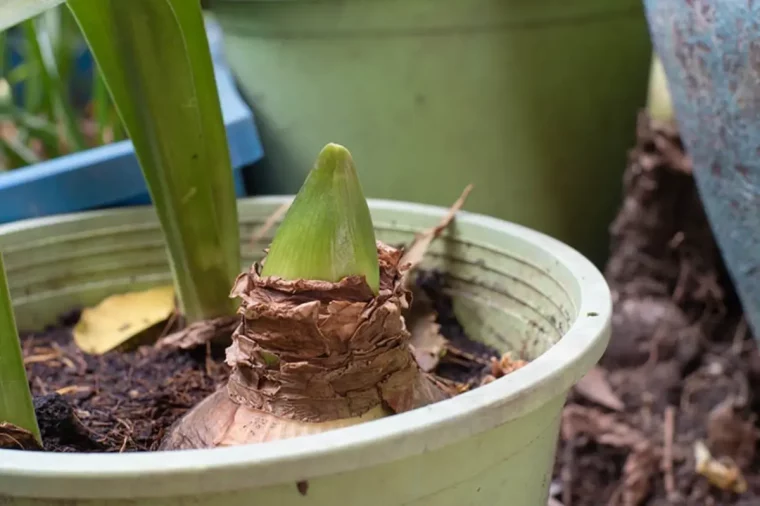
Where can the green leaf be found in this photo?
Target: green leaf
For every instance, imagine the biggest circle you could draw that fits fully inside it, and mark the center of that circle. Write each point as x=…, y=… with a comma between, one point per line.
x=659, y=103
x=13, y=12
x=155, y=59
x=36, y=126
x=3, y=52
x=16, y=404
x=64, y=37
x=36, y=91
x=100, y=103
x=327, y=233
x=22, y=72
x=119, y=134
x=17, y=152
x=56, y=97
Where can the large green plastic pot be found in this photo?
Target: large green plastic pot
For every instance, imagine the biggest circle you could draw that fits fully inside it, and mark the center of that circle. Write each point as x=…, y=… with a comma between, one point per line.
x=533, y=101
x=514, y=288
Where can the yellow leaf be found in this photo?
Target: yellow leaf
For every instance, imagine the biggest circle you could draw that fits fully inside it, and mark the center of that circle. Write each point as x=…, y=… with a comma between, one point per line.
x=725, y=475
x=119, y=318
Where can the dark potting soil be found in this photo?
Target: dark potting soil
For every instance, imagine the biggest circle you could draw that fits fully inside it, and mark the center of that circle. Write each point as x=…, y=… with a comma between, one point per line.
x=120, y=401
x=681, y=359
x=126, y=401
x=467, y=361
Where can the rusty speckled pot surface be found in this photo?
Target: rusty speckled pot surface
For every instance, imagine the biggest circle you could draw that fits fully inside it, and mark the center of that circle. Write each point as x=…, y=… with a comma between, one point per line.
x=710, y=51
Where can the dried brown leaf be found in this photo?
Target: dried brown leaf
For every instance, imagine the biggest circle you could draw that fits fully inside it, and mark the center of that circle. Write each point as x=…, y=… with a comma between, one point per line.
x=428, y=345
x=505, y=365
x=730, y=434
x=416, y=251
x=602, y=427
x=638, y=471
x=122, y=317
x=13, y=437
x=595, y=388
x=200, y=333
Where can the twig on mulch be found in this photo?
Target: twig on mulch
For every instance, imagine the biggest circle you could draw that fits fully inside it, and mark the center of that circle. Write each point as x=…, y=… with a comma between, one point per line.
x=567, y=474
x=667, y=454
x=740, y=336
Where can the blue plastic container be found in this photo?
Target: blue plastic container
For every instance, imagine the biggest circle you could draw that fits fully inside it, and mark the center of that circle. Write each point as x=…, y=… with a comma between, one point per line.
x=109, y=176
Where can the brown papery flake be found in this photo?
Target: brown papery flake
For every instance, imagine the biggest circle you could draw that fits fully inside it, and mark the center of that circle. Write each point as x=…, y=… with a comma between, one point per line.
x=318, y=351
x=308, y=353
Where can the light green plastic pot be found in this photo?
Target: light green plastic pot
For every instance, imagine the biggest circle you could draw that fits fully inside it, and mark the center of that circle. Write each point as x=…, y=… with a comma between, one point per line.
x=533, y=101
x=513, y=287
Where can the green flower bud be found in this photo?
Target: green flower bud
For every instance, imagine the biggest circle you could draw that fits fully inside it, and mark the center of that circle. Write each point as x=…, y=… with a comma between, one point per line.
x=327, y=233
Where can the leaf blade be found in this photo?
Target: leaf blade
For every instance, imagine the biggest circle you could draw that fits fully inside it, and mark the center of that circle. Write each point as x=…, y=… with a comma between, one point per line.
x=16, y=405
x=144, y=48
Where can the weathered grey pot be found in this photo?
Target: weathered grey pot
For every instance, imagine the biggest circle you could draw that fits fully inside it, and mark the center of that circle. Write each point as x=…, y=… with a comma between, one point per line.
x=710, y=53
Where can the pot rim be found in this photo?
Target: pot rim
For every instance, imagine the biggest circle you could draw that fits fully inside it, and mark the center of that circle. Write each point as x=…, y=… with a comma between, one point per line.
x=155, y=474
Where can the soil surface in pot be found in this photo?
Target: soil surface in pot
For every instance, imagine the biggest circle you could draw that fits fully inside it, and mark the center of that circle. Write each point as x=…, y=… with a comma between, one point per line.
x=682, y=369
x=127, y=400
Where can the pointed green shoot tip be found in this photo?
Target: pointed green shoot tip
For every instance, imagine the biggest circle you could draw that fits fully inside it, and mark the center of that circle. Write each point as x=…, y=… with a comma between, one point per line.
x=327, y=233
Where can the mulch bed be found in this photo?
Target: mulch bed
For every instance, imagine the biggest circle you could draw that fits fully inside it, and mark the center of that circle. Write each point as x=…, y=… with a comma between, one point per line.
x=681, y=359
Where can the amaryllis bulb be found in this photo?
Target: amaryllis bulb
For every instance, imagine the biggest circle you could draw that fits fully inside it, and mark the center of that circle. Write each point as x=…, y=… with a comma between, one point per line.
x=322, y=342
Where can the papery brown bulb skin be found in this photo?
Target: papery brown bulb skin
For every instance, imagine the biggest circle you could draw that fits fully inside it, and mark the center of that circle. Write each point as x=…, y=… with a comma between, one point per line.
x=218, y=422
x=310, y=356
